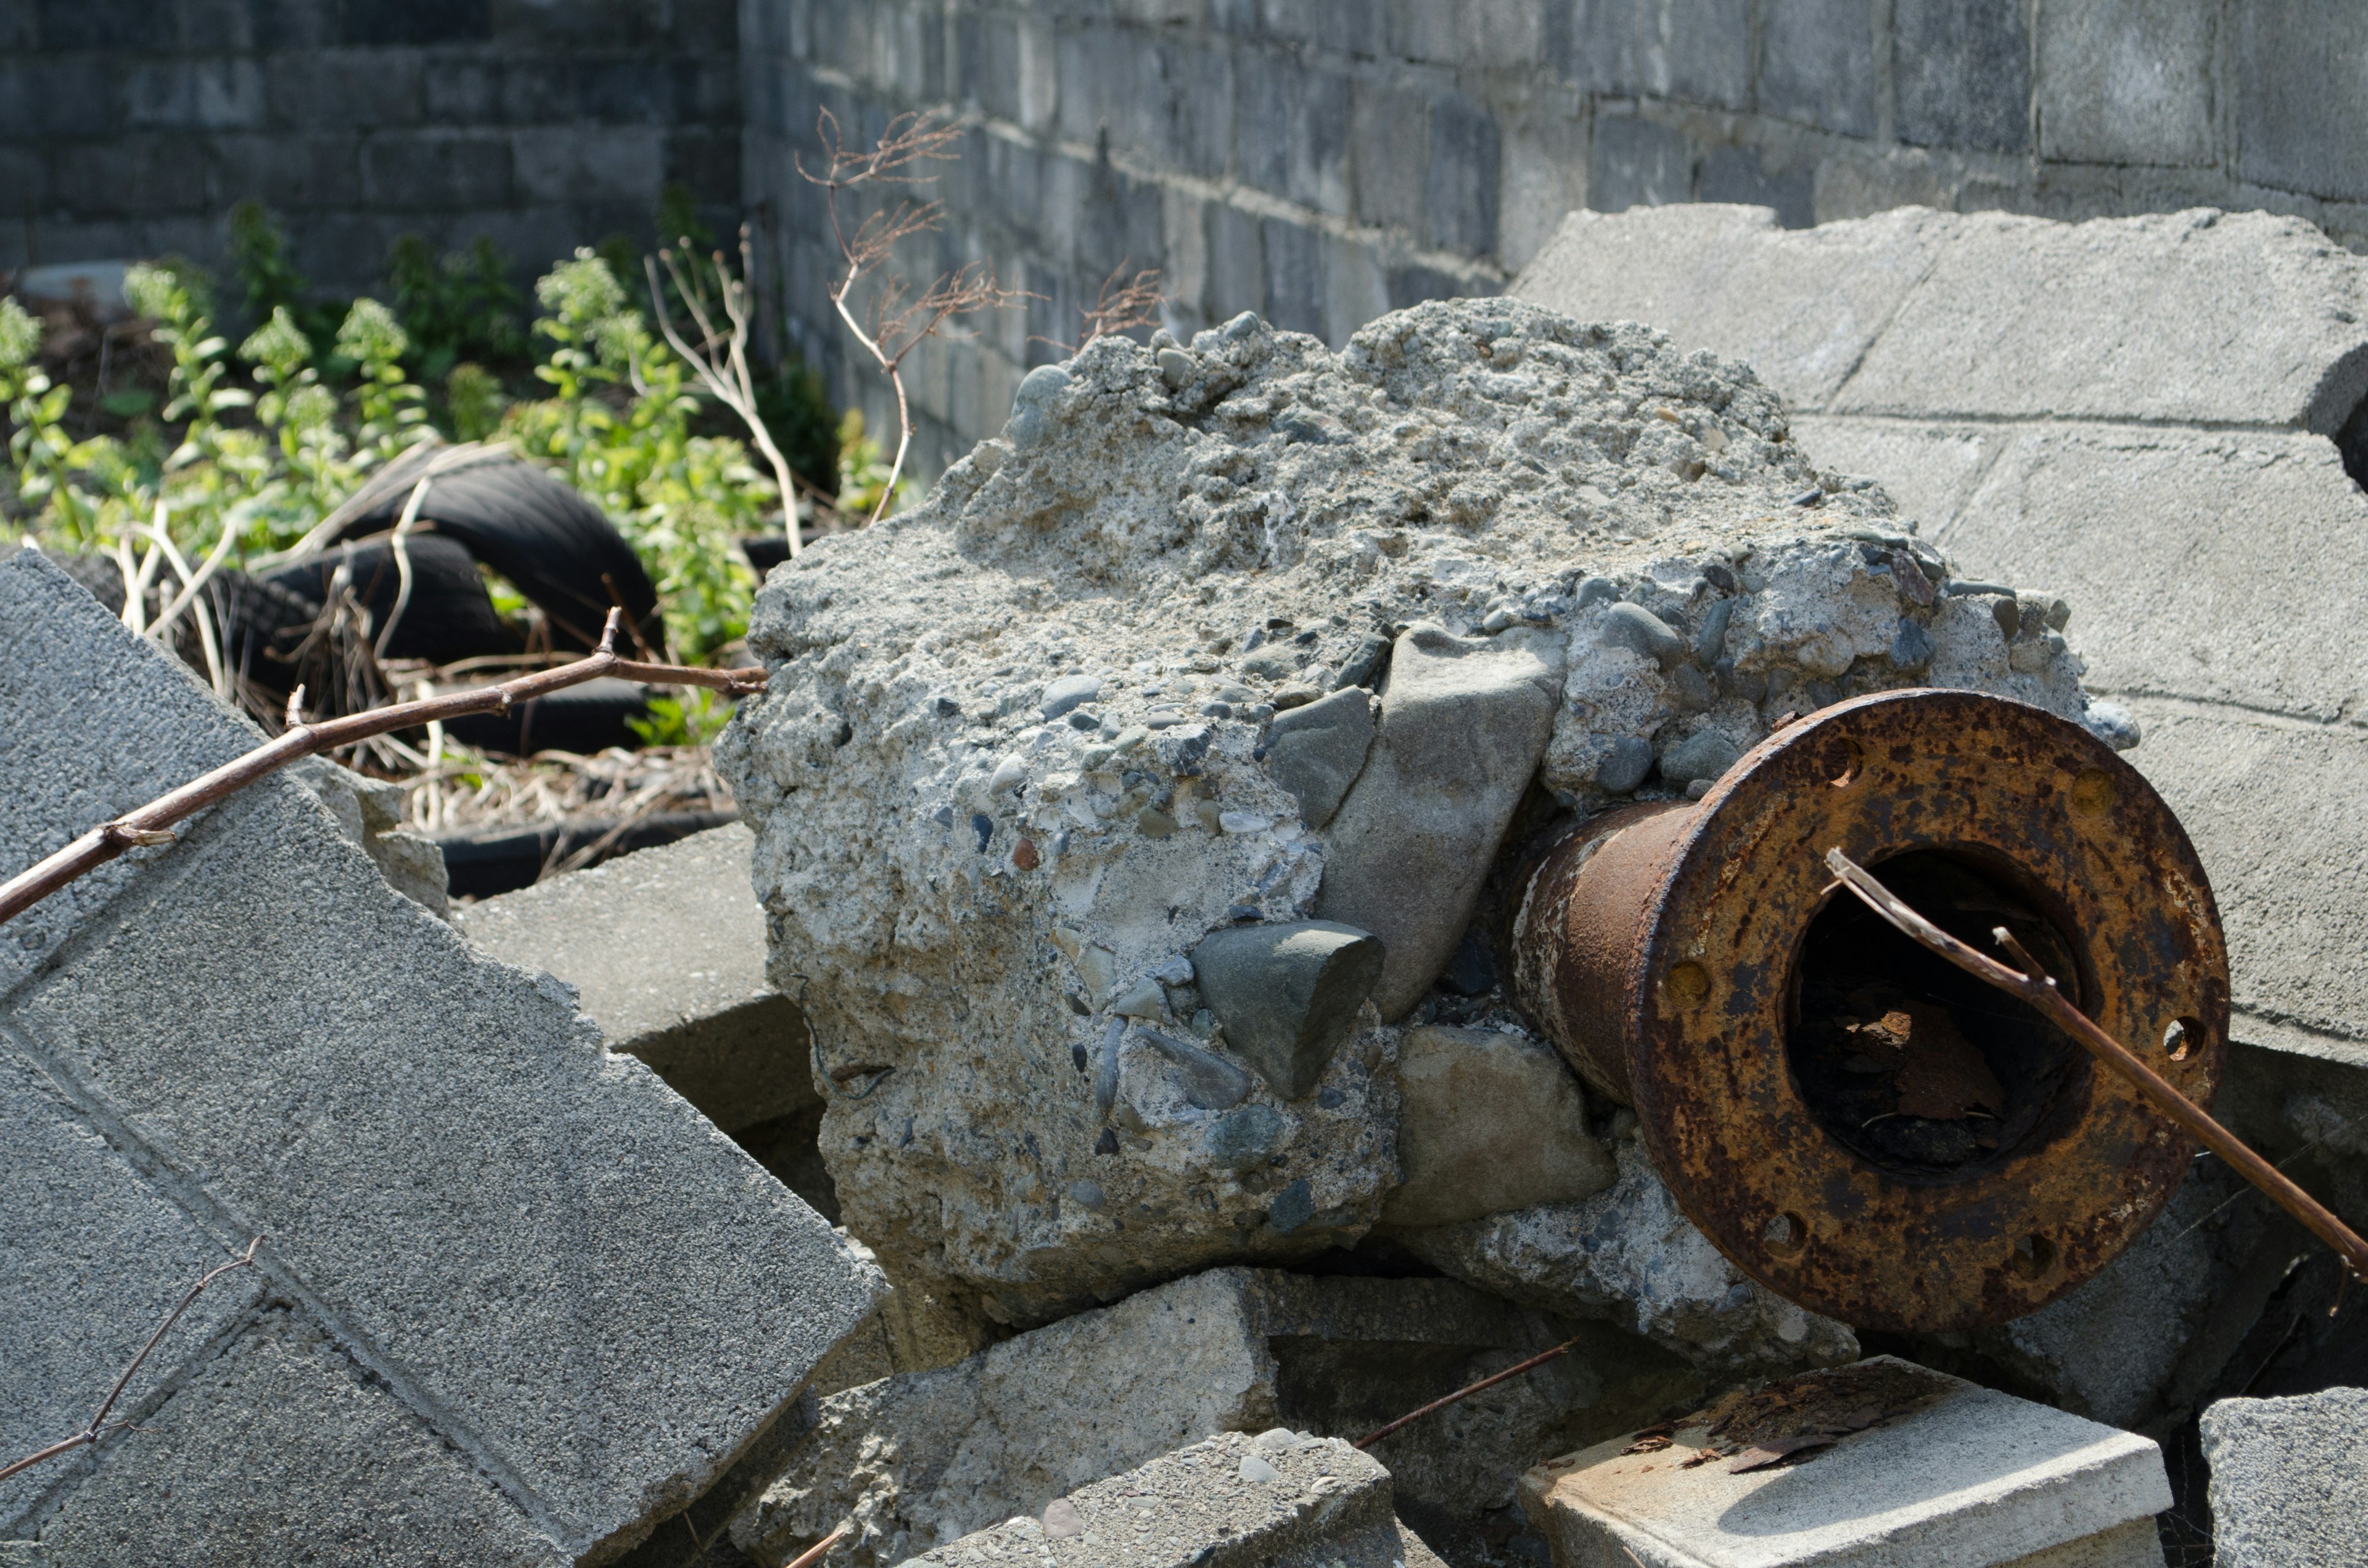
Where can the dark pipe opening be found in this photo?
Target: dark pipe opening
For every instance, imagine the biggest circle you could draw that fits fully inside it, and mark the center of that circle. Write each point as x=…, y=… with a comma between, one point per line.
x=1910, y=1063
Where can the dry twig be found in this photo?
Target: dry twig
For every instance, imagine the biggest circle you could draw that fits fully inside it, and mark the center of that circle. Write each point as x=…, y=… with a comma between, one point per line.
x=900, y=320
x=721, y=358
x=1121, y=307
x=151, y=824
x=1466, y=1391
x=100, y=1426
x=2032, y=985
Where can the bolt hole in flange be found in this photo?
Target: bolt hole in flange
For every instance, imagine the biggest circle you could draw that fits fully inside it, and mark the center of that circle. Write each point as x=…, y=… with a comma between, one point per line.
x=2182, y=1036
x=1910, y=1063
x=1784, y=1235
x=1845, y=760
x=2032, y=1257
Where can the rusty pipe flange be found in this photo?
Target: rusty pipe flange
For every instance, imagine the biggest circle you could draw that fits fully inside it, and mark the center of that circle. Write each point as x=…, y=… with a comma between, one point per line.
x=1856, y=1124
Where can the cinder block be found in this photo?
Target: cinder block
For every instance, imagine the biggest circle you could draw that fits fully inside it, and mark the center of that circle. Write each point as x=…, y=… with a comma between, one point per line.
x=1816, y=64
x=74, y=95
x=289, y=171
x=571, y=163
x=529, y=1243
x=1960, y=70
x=626, y=92
x=1356, y=287
x=2288, y=1489
x=1389, y=155
x=540, y=90
x=1914, y=1466
x=2129, y=84
x=100, y=24
x=1739, y=175
x=1694, y=50
x=705, y=161
x=461, y=92
x=213, y=93
x=139, y=176
x=380, y=22
x=1544, y=178
x=1198, y=79
x=329, y=88
x=269, y=1454
x=2302, y=97
x=1294, y=276
x=442, y=171
x=1238, y=269
x=1460, y=185
x=1638, y=162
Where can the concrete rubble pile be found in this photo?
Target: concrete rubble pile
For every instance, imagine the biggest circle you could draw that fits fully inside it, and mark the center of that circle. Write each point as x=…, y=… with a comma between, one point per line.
x=1126, y=814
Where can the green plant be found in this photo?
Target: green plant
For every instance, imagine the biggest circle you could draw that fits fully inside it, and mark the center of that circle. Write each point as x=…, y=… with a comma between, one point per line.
x=695, y=717
x=864, y=472
x=259, y=257
x=455, y=307
x=473, y=402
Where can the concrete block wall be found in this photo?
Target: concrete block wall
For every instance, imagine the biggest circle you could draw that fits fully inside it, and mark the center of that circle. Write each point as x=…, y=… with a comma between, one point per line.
x=129, y=128
x=1322, y=162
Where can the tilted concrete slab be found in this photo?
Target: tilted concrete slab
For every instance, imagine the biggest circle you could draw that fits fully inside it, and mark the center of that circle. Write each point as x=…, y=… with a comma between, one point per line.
x=1278, y=1500
x=2133, y=414
x=587, y=1295
x=1929, y=1470
x=665, y=949
x=2289, y=1488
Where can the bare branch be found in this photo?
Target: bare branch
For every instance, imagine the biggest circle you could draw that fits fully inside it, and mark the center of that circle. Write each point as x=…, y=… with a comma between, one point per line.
x=1378, y=1433
x=100, y=1426
x=1121, y=307
x=147, y=824
x=2033, y=986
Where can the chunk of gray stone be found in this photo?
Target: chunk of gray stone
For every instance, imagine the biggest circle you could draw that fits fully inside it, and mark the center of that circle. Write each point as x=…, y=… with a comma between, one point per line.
x=455, y=1177
x=1288, y=993
x=1463, y=724
x=666, y=950
x=284, y=1448
x=1210, y=1082
x=1639, y=630
x=1704, y=755
x=919, y=1458
x=1625, y=765
x=1316, y=751
x=2288, y=1486
x=370, y=812
x=1278, y=1500
x=1068, y=692
x=1488, y=1121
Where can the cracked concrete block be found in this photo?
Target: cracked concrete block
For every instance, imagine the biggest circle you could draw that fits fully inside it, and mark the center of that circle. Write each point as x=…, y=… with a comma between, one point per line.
x=984, y=898
x=923, y=1458
x=2288, y=1489
x=1900, y=1465
x=455, y=1177
x=1278, y=1500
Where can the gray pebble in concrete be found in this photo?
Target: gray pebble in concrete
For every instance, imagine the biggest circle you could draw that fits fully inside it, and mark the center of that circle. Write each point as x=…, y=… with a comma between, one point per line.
x=1363, y=666
x=1712, y=643
x=1912, y=649
x=1068, y=692
x=1596, y=591
x=1244, y=1139
x=1703, y=755
x=1177, y=367
x=1288, y=993
x=1317, y=750
x=1640, y=630
x=2112, y=723
x=1626, y=765
x=1293, y=1207
x=1029, y=418
x=1210, y=1081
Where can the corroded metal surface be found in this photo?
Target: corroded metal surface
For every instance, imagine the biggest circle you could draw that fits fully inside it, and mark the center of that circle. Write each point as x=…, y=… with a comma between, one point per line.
x=1850, y=1127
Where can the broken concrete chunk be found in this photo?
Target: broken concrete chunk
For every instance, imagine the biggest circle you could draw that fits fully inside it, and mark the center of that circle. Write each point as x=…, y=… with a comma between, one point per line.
x=1901, y=1464
x=2288, y=1486
x=919, y=1459
x=1288, y=993
x=453, y=1173
x=370, y=810
x=1316, y=751
x=1488, y=1121
x=1464, y=723
x=1231, y=1502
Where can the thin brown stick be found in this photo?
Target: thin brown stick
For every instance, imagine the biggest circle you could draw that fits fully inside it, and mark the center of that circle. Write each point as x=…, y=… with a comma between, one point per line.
x=1121, y=307
x=100, y=1426
x=1378, y=1433
x=2032, y=985
x=813, y=1554
x=148, y=824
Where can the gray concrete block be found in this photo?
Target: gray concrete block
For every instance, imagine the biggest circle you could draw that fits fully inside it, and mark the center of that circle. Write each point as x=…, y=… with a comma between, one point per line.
x=283, y=169
x=2302, y=97
x=1638, y=162
x=1695, y=50
x=1816, y=64
x=284, y=1450
x=437, y=171
x=665, y=949
x=1801, y=308
x=1947, y=1472
x=1461, y=186
x=571, y=164
x=1960, y=71
x=94, y=1256
x=1278, y=1500
x=587, y=1287
x=326, y=88
x=1389, y=152
x=2127, y=84
x=2195, y=316
x=2198, y=560
x=1741, y=175
x=2288, y=1489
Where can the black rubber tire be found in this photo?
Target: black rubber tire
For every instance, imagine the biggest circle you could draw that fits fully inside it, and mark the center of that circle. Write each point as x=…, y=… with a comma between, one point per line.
x=561, y=551
x=449, y=615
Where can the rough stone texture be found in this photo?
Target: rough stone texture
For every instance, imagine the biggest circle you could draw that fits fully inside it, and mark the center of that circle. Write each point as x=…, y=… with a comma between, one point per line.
x=2133, y=414
x=1316, y=751
x=1628, y=1254
x=991, y=913
x=1287, y=994
x=1323, y=165
x=1489, y=1121
x=2288, y=1489
x=1281, y=1499
x=370, y=812
x=455, y=1179
x=1464, y=722
x=665, y=949
x=919, y=1460
x=1947, y=1472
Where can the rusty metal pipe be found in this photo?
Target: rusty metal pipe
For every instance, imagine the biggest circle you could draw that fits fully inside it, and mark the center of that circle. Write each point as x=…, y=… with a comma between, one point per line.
x=1850, y=1119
